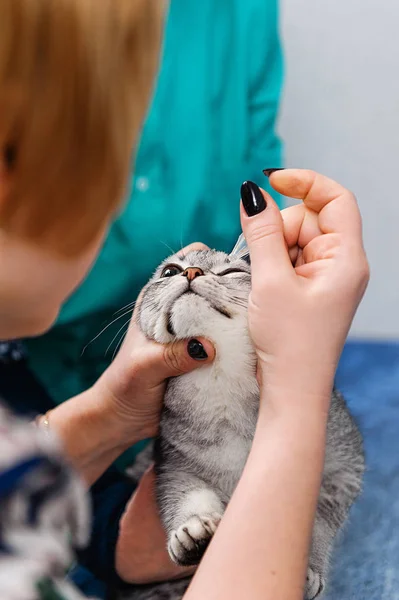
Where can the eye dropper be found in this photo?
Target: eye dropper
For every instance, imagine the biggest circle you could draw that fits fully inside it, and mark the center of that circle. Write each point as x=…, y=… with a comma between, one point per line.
x=240, y=250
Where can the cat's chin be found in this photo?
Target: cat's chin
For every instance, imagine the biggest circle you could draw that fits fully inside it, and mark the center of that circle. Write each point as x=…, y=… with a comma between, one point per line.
x=192, y=316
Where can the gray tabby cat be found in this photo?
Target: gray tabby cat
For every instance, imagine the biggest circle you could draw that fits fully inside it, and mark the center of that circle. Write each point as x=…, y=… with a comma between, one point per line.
x=209, y=415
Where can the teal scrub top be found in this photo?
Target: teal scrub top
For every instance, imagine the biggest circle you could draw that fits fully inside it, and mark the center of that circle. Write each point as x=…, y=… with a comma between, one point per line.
x=211, y=126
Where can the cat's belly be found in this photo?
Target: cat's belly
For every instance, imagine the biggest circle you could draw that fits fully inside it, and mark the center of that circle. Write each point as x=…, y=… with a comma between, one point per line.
x=221, y=464
x=212, y=426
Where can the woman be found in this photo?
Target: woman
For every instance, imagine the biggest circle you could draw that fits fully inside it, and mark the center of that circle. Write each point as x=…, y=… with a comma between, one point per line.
x=60, y=126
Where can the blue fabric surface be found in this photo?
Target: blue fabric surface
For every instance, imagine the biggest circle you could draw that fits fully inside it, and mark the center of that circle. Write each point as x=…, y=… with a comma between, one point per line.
x=87, y=583
x=366, y=562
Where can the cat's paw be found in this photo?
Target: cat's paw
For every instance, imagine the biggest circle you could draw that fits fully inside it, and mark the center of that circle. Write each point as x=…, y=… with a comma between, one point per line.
x=188, y=543
x=315, y=585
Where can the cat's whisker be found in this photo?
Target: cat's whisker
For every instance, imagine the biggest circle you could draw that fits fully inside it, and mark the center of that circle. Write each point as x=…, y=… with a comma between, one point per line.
x=168, y=247
x=104, y=329
x=115, y=336
x=119, y=344
x=128, y=306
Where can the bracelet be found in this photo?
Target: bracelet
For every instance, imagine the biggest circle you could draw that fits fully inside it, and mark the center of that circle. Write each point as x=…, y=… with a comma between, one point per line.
x=43, y=421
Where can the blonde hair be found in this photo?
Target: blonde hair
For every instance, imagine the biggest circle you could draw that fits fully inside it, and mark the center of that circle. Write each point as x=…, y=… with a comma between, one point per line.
x=75, y=80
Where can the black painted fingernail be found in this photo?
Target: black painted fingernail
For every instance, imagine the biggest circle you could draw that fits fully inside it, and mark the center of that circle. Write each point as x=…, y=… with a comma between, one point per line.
x=252, y=198
x=196, y=350
x=268, y=172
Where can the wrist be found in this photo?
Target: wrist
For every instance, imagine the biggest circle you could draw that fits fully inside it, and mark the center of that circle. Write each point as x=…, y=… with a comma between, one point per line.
x=297, y=394
x=121, y=430
x=295, y=374
x=87, y=429
x=299, y=422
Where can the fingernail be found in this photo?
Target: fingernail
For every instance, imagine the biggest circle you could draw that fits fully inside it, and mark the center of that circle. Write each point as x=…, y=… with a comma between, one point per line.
x=252, y=199
x=268, y=172
x=196, y=350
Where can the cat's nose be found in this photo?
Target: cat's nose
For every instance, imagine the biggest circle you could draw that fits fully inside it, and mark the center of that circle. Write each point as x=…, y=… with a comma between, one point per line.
x=192, y=272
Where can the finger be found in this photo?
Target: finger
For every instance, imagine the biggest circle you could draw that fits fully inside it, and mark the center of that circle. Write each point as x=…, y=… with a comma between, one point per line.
x=184, y=356
x=263, y=229
x=158, y=362
x=320, y=248
x=336, y=205
x=300, y=225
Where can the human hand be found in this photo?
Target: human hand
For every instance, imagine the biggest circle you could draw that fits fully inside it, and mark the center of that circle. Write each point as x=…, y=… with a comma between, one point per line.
x=141, y=555
x=133, y=386
x=309, y=274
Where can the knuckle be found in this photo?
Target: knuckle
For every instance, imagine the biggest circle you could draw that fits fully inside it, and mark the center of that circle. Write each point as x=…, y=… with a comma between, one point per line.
x=308, y=175
x=173, y=358
x=260, y=232
x=354, y=278
x=351, y=195
x=359, y=264
x=364, y=273
x=302, y=180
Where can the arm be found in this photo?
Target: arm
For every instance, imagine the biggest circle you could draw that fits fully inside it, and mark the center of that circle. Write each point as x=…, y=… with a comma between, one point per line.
x=309, y=272
x=91, y=432
x=310, y=268
x=123, y=406
x=263, y=540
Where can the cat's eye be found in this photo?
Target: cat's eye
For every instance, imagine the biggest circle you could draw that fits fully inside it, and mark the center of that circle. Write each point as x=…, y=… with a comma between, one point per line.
x=171, y=271
x=228, y=271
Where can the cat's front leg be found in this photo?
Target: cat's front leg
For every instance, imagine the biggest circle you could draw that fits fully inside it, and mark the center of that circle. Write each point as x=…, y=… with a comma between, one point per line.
x=191, y=512
x=322, y=541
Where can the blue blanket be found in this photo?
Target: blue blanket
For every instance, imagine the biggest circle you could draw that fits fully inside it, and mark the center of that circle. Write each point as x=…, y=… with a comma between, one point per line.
x=366, y=562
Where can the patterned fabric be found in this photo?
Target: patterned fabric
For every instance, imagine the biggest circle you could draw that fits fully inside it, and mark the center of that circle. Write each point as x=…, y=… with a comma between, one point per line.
x=44, y=511
x=11, y=351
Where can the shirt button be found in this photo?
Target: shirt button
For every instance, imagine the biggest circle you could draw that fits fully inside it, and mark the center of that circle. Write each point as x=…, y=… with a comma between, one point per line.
x=142, y=184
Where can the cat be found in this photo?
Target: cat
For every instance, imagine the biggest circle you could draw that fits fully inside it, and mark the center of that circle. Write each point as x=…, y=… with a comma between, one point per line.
x=209, y=416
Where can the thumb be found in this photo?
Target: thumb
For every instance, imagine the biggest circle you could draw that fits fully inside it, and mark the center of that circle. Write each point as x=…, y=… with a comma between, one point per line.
x=262, y=225
x=183, y=356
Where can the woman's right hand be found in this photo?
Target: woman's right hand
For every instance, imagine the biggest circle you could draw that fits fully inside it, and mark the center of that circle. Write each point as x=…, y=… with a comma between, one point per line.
x=309, y=273
x=133, y=386
x=124, y=405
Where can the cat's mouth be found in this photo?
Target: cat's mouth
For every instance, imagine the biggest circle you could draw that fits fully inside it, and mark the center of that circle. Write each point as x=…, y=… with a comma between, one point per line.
x=219, y=309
